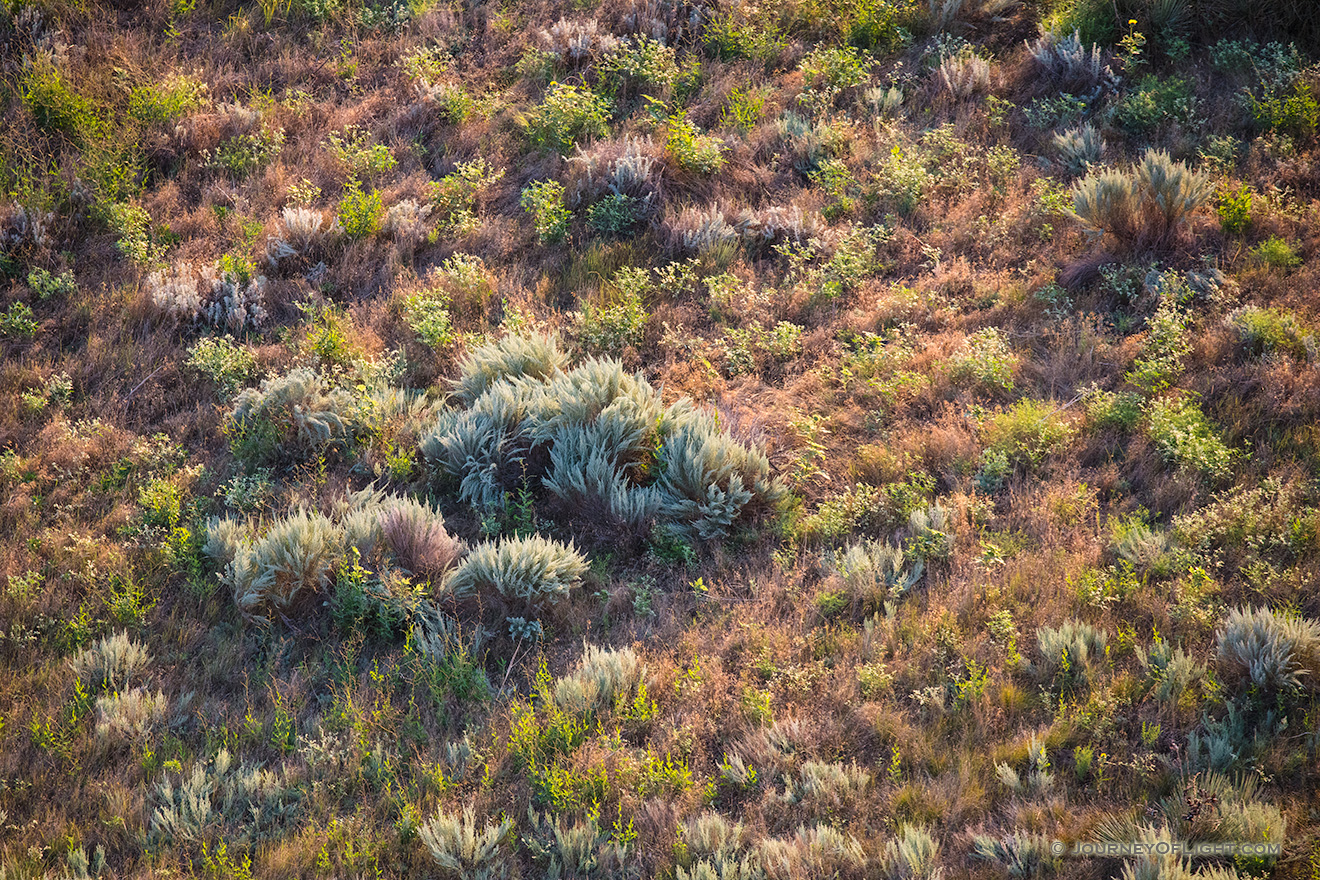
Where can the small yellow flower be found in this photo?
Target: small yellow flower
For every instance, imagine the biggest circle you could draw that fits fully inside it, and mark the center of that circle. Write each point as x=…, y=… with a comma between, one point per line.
x=1132, y=21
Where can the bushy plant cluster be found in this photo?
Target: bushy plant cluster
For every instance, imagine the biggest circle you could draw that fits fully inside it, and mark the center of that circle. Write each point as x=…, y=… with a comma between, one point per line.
x=597, y=439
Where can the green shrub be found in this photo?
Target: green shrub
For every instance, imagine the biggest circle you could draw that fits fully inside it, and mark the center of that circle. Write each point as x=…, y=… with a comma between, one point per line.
x=1142, y=207
x=988, y=359
x=880, y=25
x=1234, y=209
x=1161, y=360
x=643, y=63
x=615, y=214
x=359, y=213
x=731, y=36
x=1154, y=102
x=18, y=322
x=243, y=154
x=111, y=663
x=691, y=150
x=1276, y=253
x=1268, y=656
x=427, y=314
x=836, y=68
x=566, y=115
x=163, y=102
x=1293, y=111
x=1185, y=437
x=1264, y=330
x=544, y=200
x=530, y=571
x=876, y=572
x=1094, y=21
x=743, y=110
x=57, y=107
x=46, y=285
x=455, y=195
x=1028, y=431
x=290, y=416
x=620, y=320
x=358, y=155
x=1121, y=410
x=224, y=363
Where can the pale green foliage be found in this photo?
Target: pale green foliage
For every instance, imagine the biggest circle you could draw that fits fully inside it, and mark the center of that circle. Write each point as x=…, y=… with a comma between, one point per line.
x=111, y=662
x=1028, y=431
x=603, y=677
x=1070, y=650
x=224, y=363
x=462, y=850
x=1080, y=148
x=1142, y=207
x=829, y=784
x=566, y=115
x=1020, y=854
x=575, y=849
x=1276, y=654
x=1184, y=436
x=988, y=358
x=614, y=449
x=1172, y=670
x=533, y=356
x=247, y=798
x=130, y=714
x=876, y=569
x=293, y=558
x=531, y=571
x=1166, y=344
x=912, y=855
x=544, y=200
x=1266, y=331
x=291, y=415
x=691, y=150
x=813, y=853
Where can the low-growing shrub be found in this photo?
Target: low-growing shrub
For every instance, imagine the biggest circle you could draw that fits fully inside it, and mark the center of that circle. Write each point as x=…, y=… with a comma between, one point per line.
x=604, y=678
x=464, y=852
x=544, y=200
x=1070, y=652
x=566, y=115
x=620, y=319
x=1183, y=435
x=359, y=212
x=691, y=150
x=289, y=417
x=112, y=662
x=227, y=365
x=614, y=451
x=1266, y=330
x=1144, y=207
x=988, y=358
x=1269, y=656
x=1276, y=253
x=530, y=571
x=1080, y=148
x=1028, y=431
x=417, y=537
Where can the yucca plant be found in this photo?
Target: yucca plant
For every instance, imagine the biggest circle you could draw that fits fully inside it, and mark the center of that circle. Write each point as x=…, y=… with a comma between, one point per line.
x=531, y=571
x=462, y=850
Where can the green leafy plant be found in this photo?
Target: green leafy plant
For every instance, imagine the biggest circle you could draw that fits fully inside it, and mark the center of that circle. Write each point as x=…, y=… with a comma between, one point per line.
x=544, y=200
x=1185, y=437
x=691, y=150
x=359, y=212
x=566, y=115
x=1234, y=209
